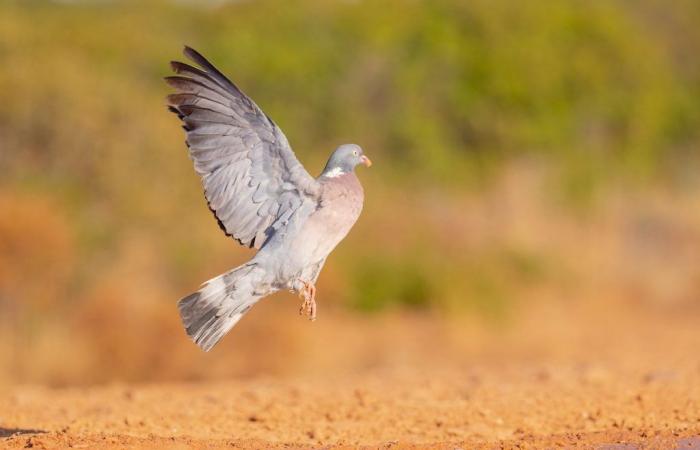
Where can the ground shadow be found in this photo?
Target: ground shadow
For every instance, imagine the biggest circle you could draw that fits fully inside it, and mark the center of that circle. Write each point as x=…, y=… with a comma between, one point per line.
x=9, y=432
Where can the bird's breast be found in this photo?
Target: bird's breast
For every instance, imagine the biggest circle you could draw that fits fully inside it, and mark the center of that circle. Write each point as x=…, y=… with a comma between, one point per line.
x=338, y=210
x=341, y=203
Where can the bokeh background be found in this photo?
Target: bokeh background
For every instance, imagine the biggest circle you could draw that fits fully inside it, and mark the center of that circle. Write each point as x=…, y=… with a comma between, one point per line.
x=536, y=181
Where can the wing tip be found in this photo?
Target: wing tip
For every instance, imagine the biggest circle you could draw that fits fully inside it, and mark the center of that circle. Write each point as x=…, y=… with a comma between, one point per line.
x=209, y=68
x=175, y=81
x=183, y=68
x=194, y=56
x=173, y=99
x=175, y=111
x=187, y=50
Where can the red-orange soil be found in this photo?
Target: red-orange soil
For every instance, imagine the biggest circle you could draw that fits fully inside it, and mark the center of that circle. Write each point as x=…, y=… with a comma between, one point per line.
x=546, y=383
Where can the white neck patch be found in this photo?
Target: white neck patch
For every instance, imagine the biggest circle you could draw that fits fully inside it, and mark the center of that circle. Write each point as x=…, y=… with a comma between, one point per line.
x=334, y=173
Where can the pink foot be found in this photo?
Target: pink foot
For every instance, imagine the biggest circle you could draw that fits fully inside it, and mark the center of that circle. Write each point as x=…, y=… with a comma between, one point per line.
x=308, y=293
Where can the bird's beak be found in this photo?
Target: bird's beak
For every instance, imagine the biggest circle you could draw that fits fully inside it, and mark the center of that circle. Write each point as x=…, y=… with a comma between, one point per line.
x=366, y=161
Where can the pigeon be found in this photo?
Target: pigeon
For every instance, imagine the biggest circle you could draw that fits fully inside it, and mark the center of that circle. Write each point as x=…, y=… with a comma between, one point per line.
x=261, y=196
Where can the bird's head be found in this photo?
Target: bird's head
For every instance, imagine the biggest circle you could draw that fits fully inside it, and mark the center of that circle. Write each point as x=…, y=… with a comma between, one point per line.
x=344, y=159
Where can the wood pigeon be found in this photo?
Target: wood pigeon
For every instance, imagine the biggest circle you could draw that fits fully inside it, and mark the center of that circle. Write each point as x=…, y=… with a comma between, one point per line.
x=261, y=196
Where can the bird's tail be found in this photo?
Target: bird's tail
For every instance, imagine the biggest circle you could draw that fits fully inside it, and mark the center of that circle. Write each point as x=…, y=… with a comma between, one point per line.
x=211, y=312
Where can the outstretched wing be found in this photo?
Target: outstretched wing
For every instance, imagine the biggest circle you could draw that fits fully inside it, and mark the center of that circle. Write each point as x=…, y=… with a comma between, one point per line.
x=252, y=180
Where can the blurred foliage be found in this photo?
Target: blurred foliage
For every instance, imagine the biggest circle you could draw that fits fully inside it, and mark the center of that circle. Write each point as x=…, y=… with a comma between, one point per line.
x=441, y=89
x=98, y=199
x=383, y=282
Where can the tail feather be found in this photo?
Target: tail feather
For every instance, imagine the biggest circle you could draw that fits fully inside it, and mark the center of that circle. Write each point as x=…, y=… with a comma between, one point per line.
x=211, y=312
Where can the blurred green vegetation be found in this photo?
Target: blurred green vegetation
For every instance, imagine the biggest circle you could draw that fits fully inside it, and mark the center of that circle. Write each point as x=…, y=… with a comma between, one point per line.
x=444, y=95
x=437, y=92
x=441, y=89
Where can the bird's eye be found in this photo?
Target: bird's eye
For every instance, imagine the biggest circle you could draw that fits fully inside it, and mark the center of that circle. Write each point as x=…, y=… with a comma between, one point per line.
x=354, y=152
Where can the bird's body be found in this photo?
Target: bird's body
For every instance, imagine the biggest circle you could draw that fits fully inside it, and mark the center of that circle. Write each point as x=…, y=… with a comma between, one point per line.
x=305, y=249
x=298, y=252
x=261, y=196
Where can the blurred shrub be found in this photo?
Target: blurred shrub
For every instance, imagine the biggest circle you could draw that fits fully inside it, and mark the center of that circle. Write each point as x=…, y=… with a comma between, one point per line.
x=444, y=89
x=37, y=252
x=381, y=282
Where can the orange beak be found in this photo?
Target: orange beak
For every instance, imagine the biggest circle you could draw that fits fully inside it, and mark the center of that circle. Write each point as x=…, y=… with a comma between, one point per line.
x=366, y=161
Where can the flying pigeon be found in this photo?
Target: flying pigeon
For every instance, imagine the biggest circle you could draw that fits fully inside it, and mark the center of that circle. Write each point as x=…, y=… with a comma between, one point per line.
x=261, y=196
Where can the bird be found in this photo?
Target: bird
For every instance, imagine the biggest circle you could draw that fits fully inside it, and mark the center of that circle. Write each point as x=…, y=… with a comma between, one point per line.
x=261, y=196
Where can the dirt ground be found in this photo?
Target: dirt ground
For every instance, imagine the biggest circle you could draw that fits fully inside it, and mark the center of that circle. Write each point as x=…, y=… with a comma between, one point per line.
x=548, y=382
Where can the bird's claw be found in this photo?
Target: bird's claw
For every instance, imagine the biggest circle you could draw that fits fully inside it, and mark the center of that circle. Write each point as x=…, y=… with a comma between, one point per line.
x=308, y=306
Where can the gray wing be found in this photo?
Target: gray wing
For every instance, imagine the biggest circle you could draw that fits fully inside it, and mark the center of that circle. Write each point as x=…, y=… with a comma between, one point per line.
x=252, y=180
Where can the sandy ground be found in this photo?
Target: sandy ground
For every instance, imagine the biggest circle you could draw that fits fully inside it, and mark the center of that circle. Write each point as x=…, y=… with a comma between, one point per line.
x=547, y=383
x=483, y=407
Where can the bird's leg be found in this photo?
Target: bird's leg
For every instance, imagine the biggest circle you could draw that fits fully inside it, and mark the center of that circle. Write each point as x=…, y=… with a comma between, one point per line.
x=308, y=293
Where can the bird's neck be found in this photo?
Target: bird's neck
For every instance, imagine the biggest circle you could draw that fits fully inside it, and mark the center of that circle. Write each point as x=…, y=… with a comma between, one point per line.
x=333, y=172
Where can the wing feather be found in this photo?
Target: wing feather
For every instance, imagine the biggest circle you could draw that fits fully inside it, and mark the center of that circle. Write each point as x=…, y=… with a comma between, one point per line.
x=252, y=180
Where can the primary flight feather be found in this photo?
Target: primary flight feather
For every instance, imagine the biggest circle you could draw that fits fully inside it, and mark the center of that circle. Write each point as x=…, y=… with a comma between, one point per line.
x=261, y=196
